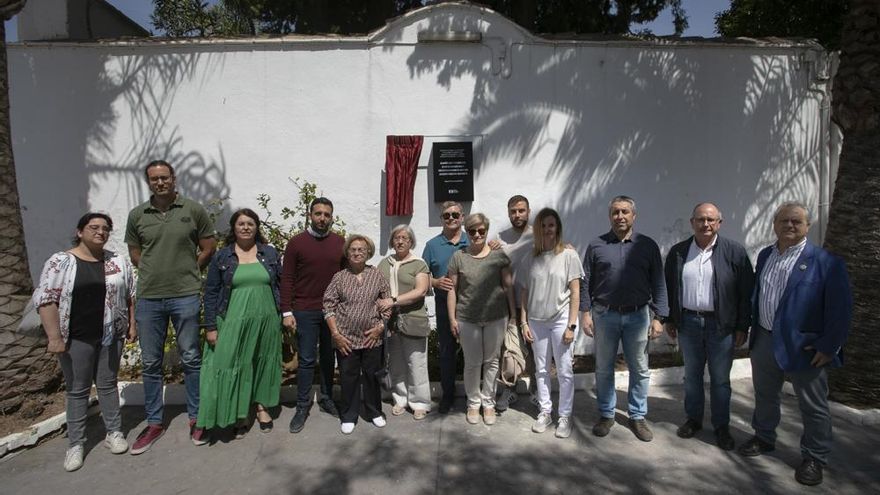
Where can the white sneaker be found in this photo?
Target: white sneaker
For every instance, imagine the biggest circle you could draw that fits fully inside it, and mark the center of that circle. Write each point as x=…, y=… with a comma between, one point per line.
x=544, y=420
x=379, y=421
x=73, y=460
x=563, y=427
x=115, y=441
x=347, y=428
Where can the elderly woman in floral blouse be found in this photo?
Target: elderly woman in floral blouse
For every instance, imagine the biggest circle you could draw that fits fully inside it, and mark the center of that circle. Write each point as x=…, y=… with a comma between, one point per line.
x=351, y=308
x=85, y=304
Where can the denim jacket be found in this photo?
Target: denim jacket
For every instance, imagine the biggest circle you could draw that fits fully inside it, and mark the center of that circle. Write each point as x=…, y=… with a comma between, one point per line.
x=218, y=285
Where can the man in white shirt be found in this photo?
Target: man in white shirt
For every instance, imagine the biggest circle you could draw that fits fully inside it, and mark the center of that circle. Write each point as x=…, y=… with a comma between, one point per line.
x=709, y=282
x=518, y=244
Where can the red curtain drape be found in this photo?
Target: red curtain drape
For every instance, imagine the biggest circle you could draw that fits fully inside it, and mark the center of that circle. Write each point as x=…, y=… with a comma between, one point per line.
x=401, y=162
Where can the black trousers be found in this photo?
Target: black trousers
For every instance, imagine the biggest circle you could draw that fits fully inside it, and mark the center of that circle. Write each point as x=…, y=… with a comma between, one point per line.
x=357, y=374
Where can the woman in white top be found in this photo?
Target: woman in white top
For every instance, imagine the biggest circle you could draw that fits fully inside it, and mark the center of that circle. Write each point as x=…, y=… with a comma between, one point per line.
x=549, y=298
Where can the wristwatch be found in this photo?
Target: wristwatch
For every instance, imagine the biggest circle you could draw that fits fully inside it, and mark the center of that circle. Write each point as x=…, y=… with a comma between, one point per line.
x=572, y=327
x=661, y=319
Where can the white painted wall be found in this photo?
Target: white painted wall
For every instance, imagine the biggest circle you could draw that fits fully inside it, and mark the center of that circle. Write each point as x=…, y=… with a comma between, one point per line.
x=567, y=123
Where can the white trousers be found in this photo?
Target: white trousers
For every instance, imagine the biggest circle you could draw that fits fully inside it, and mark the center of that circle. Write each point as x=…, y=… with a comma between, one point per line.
x=409, y=371
x=548, y=345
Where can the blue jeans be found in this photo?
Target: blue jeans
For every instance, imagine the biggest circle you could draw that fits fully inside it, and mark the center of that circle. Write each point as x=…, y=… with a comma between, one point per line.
x=609, y=329
x=152, y=316
x=700, y=342
x=448, y=351
x=312, y=331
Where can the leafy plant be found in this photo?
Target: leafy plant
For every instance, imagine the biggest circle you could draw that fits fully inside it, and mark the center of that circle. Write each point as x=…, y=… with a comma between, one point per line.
x=292, y=220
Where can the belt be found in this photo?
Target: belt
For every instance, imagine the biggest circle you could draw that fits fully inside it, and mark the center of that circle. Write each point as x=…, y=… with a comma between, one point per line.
x=704, y=314
x=632, y=308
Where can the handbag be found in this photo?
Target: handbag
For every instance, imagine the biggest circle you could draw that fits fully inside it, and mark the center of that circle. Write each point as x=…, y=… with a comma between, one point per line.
x=30, y=324
x=409, y=325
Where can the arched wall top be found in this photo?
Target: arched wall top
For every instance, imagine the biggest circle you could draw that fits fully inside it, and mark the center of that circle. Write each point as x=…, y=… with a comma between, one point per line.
x=444, y=19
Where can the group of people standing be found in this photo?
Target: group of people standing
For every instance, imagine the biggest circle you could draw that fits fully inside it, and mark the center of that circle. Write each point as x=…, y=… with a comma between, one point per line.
x=523, y=286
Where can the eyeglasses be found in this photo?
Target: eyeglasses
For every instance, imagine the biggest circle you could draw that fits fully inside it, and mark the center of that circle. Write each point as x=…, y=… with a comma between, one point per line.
x=401, y=238
x=708, y=220
x=357, y=250
x=96, y=228
x=474, y=232
x=451, y=214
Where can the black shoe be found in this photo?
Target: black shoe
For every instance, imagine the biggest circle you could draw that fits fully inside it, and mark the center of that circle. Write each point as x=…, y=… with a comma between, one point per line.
x=602, y=428
x=809, y=472
x=267, y=426
x=446, y=405
x=640, y=428
x=328, y=406
x=689, y=428
x=755, y=447
x=240, y=431
x=299, y=419
x=723, y=438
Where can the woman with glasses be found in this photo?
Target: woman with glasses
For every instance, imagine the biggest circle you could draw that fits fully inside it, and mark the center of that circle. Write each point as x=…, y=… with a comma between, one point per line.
x=480, y=306
x=409, y=278
x=86, y=303
x=550, y=296
x=357, y=325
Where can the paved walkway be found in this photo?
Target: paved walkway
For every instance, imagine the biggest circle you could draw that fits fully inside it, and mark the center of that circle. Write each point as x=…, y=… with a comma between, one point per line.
x=443, y=454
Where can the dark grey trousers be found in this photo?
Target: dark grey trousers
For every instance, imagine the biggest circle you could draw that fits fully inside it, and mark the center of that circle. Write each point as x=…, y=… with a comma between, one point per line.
x=82, y=364
x=811, y=388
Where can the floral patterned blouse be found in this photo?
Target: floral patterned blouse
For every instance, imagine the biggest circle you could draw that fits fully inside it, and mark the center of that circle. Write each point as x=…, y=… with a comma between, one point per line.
x=56, y=286
x=354, y=303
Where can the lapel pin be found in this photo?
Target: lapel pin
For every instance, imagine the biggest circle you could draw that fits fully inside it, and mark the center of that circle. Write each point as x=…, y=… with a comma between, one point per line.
x=803, y=267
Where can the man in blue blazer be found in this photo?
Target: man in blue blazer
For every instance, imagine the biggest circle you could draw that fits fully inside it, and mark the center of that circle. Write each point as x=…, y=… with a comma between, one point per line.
x=802, y=307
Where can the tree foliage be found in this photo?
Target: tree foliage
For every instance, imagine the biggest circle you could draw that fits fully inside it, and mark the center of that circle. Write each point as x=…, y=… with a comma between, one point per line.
x=247, y=17
x=818, y=19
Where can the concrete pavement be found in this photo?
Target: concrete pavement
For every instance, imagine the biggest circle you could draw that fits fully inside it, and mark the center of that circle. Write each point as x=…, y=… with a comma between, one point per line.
x=443, y=454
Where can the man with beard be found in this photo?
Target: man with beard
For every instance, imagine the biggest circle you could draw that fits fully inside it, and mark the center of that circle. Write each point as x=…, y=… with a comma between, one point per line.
x=310, y=261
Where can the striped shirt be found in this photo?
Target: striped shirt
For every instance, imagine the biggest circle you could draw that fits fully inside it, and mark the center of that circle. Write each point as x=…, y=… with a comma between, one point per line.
x=774, y=278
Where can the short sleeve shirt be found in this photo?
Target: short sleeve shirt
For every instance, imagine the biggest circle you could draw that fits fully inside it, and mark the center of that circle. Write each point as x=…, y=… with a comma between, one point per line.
x=547, y=279
x=518, y=246
x=406, y=281
x=437, y=254
x=169, y=244
x=481, y=296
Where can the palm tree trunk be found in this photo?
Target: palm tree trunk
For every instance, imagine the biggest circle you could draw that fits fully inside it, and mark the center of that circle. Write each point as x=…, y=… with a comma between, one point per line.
x=854, y=219
x=25, y=367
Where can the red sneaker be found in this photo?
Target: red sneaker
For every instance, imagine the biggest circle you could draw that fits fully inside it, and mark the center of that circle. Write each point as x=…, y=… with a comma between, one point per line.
x=196, y=434
x=147, y=438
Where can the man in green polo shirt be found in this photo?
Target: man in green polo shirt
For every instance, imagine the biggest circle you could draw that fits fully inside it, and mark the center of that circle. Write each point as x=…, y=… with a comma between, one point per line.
x=170, y=238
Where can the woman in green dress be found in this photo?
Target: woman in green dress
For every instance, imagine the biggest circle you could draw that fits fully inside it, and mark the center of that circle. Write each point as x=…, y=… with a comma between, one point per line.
x=241, y=363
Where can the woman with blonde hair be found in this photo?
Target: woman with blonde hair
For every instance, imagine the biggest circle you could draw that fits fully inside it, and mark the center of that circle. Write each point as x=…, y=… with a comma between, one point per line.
x=549, y=297
x=480, y=307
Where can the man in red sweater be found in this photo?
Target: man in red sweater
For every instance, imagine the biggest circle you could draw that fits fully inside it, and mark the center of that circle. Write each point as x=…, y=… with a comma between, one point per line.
x=310, y=260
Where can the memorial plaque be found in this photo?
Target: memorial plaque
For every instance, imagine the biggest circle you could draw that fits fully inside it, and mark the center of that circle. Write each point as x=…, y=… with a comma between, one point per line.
x=453, y=171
